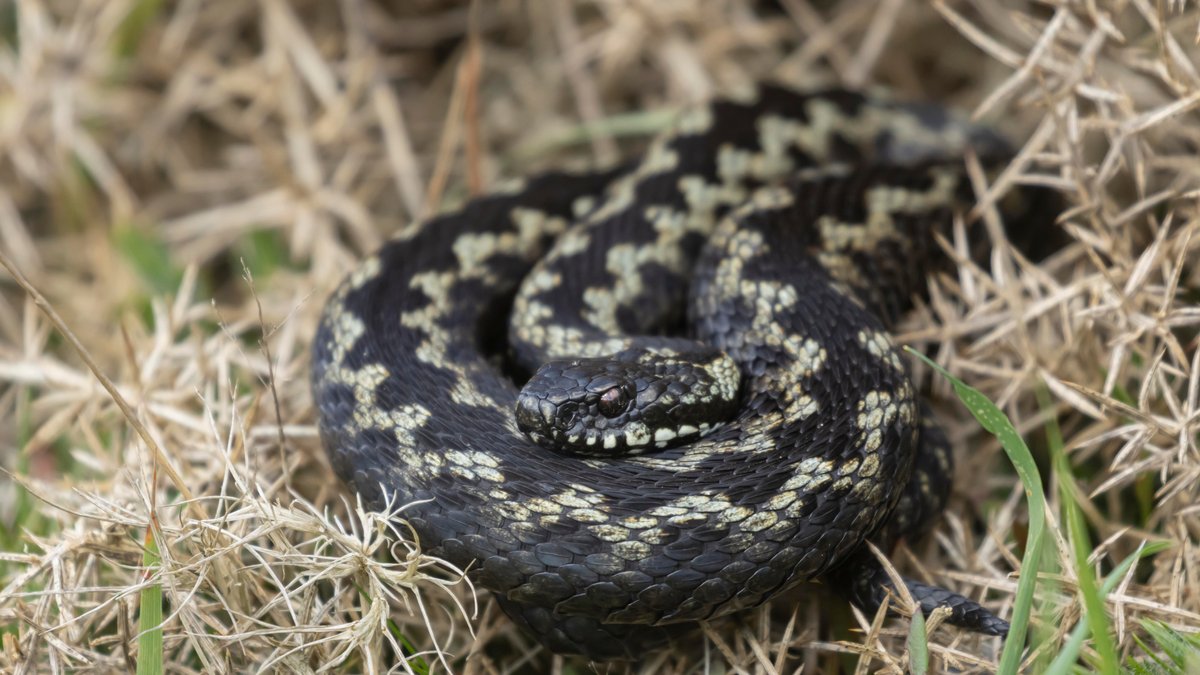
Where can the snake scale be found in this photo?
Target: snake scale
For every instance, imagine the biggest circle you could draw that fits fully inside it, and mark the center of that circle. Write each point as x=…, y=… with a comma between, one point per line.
x=777, y=234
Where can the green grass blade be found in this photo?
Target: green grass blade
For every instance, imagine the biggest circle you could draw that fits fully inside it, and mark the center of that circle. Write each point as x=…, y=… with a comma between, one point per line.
x=1069, y=654
x=1095, y=615
x=418, y=664
x=918, y=645
x=149, y=257
x=1138, y=669
x=1157, y=665
x=1183, y=650
x=150, y=614
x=133, y=28
x=1077, y=535
x=997, y=423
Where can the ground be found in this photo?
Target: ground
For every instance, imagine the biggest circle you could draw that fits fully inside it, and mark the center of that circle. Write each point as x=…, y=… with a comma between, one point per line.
x=182, y=183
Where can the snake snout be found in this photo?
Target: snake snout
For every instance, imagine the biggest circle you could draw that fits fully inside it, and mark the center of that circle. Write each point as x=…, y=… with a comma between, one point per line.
x=534, y=412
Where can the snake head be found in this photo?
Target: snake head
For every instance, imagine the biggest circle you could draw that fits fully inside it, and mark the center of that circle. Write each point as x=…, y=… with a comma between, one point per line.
x=636, y=401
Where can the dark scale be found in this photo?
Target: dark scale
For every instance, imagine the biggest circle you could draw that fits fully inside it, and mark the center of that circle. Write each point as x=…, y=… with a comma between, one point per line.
x=680, y=477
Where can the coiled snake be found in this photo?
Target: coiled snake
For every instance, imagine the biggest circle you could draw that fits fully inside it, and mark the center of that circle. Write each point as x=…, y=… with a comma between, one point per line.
x=793, y=227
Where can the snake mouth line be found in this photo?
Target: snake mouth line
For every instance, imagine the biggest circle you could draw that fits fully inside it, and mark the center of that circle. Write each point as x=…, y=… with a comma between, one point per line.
x=633, y=441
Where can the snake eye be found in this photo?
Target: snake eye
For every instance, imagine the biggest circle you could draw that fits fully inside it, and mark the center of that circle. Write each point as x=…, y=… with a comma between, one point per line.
x=613, y=402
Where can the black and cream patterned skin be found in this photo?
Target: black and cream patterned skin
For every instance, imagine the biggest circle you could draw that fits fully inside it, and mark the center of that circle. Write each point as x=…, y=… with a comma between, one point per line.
x=793, y=227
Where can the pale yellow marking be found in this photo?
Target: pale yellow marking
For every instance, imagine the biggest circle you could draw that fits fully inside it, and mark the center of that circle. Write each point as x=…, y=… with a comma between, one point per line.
x=366, y=271
x=639, y=522
x=588, y=515
x=780, y=500
x=513, y=511
x=695, y=121
x=759, y=521
x=666, y=511
x=544, y=506
x=880, y=346
x=796, y=510
x=687, y=520
x=656, y=536
x=637, y=434
x=849, y=466
x=631, y=550
x=734, y=514
x=870, y=466
x=610, y=533
x=576, y=498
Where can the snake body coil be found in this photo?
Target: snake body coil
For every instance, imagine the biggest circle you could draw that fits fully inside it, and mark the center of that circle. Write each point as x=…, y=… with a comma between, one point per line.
x=793, y=227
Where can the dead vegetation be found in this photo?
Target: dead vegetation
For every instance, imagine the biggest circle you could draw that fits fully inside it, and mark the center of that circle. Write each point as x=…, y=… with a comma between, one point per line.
x=185, y=182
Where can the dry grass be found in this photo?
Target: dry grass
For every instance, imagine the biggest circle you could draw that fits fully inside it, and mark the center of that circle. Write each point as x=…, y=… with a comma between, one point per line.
x=186, y=181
